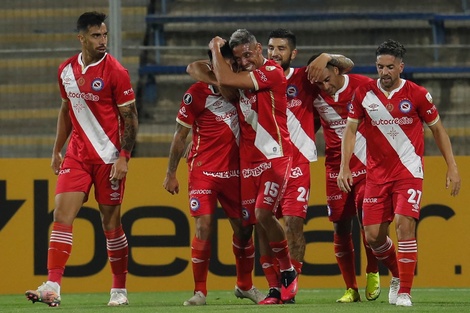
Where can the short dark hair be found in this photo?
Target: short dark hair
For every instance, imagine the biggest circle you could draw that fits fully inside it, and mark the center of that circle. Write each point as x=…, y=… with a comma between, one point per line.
x=88, y=19
x=224, y=50
x=286, y=34
x=391, y=47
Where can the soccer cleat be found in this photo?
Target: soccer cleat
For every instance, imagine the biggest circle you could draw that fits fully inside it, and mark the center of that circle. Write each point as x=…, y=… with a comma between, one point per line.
x=404, y=299
x=289, y=281
x=273, y=297
x=350, y=296
x=290, y=301
x=393, y=292
x=373, y=286
x=118, y=297
x=198, y=299
x=48, y=293
x=253, y=294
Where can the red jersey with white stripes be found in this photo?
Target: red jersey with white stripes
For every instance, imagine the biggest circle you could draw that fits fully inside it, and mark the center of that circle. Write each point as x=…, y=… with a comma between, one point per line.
x=300, y=117
x=262, y=115
x=94, y=94
x=215, y=128
x=333, y=111
x=394, y=127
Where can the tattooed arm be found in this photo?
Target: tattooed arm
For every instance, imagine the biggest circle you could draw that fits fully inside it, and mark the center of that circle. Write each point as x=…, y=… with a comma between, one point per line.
x=128, y=114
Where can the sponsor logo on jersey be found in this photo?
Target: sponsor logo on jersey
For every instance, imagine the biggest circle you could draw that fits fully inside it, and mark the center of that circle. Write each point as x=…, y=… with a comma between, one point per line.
x=187, y=98
x=292, y=103
x=334, y=197
x=115, y=196
x=431, y=110
x=389, y=107
x=200, y=192
x=405, y=120
x=270, y=68
x=268, y=200
x=292, y=91
x=182, y=112
x=226, y=115
x=64, y=171
x=85, y=96
x=194, y=204
x=296, y=172
x=405, y=106
x=248, y=201
x=225, y=174
x=370, y=200
x=262, y=76
x=97, y=84
x=373, y=107
x=128, y=92
x=257, y=171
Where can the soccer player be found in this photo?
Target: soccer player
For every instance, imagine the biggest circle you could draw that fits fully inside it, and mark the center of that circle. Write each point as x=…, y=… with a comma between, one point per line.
x=98, y=113
x=300, y=94
x=265, y=147
x=393, y=111
x=332, y=105
x=214, y=174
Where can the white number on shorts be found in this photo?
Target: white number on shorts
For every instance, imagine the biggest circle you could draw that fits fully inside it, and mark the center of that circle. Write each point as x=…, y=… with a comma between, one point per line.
x=303, y=194
x=415, y=196
x=271, y=189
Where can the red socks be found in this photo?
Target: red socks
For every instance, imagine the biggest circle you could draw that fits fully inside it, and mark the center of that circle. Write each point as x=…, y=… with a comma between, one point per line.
x=118, y=250
x=407, y=257
x=60, y=248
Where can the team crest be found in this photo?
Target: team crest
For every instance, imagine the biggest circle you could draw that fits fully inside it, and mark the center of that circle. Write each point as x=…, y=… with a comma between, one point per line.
x=97, y=84
x=292, y=91
x=405, y=106
x=194, y=204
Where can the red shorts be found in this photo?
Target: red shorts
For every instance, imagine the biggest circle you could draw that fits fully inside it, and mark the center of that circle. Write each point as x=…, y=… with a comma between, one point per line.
x=382, y=202
x=205, y=189
x=76, y=176
x=263, y=185
x=342, y=205
x=295, y=199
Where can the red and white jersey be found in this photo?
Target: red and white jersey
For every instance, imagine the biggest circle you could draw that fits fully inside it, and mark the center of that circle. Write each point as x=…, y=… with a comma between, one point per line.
x=300, y=117
x=94, y=94
x=394, y=128
x=215, y=128
x=262, y=115
x=333, y=111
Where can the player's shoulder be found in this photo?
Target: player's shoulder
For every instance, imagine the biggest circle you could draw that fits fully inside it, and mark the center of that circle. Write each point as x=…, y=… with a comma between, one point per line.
x=72, y=60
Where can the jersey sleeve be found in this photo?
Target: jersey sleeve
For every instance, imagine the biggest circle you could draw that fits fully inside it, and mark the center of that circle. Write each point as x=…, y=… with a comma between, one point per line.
x=265, y=76
x=426, y=108
x=124, y=94
x=192, y=104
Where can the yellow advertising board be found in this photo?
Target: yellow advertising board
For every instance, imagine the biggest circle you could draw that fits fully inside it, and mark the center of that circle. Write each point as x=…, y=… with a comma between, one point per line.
x=159, y=230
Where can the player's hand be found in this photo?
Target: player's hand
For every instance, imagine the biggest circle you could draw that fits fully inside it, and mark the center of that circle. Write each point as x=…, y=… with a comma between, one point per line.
x=119, y=169
x=56, y=162
x=316, y=67
x=344, y=180
x=171, y=184
x=453, y=179
x=216, y=42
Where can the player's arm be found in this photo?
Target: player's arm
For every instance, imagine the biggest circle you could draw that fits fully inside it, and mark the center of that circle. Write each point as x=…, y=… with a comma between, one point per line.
x=316, y=66
x=224, y=74
x=443, y=143
x=128, y=113
x=348, y=142
x=64, y=128
x=177, y=150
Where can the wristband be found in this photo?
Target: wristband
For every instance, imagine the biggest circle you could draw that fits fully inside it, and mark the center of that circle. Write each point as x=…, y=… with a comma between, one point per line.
x=125, y=153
